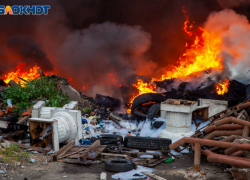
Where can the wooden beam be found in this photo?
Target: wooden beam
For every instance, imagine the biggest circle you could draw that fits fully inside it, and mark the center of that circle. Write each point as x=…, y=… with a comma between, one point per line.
x=40, y=72
x=77, y=155
x=116, y=155
x=23, y=79
x=63, y=150
x=91, y=149
x=23, y=120
x=153, y=176
x=67, y=155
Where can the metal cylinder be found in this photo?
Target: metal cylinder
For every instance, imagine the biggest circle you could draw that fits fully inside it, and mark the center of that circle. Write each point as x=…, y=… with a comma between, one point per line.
x=197, y=157
x=245, y=131
x=231, y=120
x=206, y=142
x=223, y=127
x=228, y=139
x=241, y=162
x=222, y=133
x=233, y=149
x=237, y=154
x=243, y=106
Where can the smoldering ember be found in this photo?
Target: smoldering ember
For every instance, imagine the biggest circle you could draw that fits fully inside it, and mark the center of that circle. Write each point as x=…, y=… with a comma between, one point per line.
x=119, y=89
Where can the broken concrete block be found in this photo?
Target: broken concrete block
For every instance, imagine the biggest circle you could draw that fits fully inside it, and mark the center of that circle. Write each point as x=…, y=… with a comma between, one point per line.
x=72, y=93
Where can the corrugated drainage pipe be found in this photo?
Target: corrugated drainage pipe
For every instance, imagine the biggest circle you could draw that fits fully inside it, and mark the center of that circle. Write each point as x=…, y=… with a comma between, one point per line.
x=231, y=120
x=223, y=127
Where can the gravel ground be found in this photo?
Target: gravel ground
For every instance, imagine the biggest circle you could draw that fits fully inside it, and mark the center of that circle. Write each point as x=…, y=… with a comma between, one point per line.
x=176, y=170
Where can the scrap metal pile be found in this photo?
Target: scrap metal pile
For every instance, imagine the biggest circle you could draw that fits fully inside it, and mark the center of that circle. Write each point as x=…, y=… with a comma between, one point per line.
x=225, y=140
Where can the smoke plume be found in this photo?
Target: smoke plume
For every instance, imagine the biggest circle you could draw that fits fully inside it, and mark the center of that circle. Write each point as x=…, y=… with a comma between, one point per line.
x=102, y=44
x=104, y=56
x=234, y=32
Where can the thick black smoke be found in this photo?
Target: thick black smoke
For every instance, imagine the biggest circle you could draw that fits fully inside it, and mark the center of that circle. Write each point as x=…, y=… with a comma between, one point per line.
x=106, y=54
x=96, y=42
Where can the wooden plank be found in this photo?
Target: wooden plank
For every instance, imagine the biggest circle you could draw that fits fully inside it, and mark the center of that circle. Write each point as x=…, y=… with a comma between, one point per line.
x=23, y=120
x=104, y=156
x=140, y=161
x=97, y=152
x=63, y=150
x=23, y=79
x=40, y=72
x=115, y=155
x=155, y=163
x=176, y=102
x=153, y=176
x=92, y=148
x=76, y=148
x=80, y=149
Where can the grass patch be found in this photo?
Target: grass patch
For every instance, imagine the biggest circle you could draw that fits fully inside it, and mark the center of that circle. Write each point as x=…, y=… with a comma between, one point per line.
x=14, y=153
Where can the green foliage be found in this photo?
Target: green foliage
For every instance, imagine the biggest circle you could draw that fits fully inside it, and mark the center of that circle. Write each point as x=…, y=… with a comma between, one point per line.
x=43, y=88
x=87, y=110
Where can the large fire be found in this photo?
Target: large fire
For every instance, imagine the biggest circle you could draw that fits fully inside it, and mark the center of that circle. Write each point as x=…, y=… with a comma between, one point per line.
x=31, y=74
x=222, y=87
x=200, y=56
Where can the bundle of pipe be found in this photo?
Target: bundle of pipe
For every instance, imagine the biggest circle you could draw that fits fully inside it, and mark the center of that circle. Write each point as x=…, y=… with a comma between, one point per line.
x=238, y=130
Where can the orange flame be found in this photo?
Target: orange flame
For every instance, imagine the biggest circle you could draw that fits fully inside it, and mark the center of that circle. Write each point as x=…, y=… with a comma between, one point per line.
x=222, y=87
x=201, y=56
x=143, y=88
x=185, y=28
x=27, y=75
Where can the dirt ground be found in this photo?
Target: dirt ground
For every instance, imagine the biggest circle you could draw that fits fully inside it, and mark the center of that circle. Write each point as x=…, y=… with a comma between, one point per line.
x=176, y=170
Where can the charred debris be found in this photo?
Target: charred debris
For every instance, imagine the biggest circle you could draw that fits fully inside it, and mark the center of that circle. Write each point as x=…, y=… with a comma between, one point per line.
x=49, y=116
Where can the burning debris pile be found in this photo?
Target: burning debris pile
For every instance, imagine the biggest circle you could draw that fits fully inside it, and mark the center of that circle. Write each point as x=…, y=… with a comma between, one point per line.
x=200, y=104
x=81, y=130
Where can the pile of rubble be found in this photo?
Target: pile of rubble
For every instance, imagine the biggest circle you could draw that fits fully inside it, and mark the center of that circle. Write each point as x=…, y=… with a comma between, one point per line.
x=77, y=129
